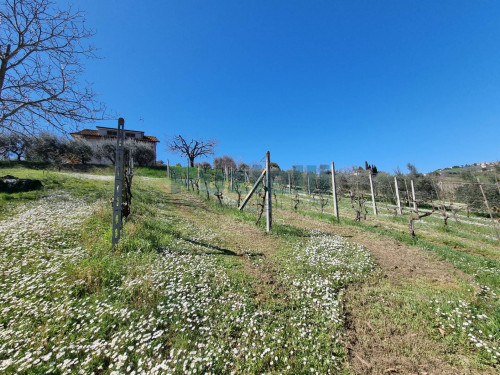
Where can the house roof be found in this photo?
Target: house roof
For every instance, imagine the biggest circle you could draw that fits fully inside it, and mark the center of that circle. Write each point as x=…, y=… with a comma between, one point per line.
x=91, y=133
x=86, y=132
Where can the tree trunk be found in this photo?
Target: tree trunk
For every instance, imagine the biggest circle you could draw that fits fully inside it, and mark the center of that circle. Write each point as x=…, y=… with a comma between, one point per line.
x=3, y=67
x=191, y=162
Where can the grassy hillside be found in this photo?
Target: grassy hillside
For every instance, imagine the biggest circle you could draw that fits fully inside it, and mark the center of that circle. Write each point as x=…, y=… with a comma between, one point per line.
x=198, y=288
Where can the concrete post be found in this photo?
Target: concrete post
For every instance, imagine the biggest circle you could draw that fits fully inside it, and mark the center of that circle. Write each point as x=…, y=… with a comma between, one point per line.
x=373, y=193
x=397, y=195
x=415, y=208
x=269, y=206
x=334, y=192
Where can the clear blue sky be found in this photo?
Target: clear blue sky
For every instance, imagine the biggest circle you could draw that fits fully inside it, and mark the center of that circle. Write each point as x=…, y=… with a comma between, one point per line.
x=390, y=82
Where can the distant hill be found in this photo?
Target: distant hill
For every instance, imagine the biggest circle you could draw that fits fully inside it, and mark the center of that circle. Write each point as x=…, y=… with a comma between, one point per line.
x=485, y=169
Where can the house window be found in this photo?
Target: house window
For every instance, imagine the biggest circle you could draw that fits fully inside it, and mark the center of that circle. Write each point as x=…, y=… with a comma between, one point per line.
x=130, y=135
x=111, y=132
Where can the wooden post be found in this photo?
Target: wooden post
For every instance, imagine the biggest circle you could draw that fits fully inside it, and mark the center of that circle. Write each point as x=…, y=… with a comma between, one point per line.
x=187, y=176
x=308, y=186
x=397, y=195
x=289, y=184
x=269, y=202
x=489, y=209
x=373, y=193
x=413, y=195
x=231, y=179
x=334, y=192
x=168, y=168
x=247, y=198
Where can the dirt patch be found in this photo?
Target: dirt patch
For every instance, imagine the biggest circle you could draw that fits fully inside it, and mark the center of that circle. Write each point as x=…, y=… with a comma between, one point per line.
x=396, y=260
x=244, y=239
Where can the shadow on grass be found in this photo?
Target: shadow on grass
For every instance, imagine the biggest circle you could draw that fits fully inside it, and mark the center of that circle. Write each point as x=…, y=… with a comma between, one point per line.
x=212, y=247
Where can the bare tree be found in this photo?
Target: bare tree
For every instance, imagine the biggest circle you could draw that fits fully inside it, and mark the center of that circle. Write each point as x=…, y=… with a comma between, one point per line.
x=41, y=48
x=191, y=149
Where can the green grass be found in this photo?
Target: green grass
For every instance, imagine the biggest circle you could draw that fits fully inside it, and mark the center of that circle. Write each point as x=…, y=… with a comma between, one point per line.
x=171, y=286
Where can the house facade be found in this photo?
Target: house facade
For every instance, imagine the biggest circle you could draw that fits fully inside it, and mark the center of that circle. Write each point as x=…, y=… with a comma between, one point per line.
x=101, y=134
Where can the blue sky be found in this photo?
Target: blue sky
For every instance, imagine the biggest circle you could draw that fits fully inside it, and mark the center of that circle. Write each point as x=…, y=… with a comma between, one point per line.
x=390, y=82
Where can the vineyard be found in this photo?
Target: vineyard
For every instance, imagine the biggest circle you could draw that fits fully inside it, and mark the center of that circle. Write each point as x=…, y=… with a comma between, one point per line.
x=197, y=286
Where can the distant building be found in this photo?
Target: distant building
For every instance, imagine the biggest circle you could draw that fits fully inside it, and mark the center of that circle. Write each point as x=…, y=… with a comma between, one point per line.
x=96, y=137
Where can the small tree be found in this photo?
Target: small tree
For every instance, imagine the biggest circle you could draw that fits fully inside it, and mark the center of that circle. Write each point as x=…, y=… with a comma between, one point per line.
x=274, y=166
x=243, y=167
x=204, y=165
x=4, y=146
x=79, y=150
x=191, y=149
x=13, y=143
x=142, y=154
x=47, y=147
x=107, y=150
x=224, y=162
x=412, y=170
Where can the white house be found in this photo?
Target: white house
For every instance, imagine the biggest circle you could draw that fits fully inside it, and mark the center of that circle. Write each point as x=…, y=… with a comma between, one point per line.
x=95, y=137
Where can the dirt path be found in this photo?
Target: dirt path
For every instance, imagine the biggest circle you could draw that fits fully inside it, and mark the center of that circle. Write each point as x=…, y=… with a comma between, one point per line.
x=378, y=345
x=396, y=260
x=244, y=239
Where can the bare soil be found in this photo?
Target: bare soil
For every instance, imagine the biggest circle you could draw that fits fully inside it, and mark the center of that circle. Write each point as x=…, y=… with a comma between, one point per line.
x=239, y=237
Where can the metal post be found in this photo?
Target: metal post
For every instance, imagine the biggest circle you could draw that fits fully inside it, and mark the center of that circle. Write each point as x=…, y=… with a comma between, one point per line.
x=415, y=208
x=488, y=207
x=117, y=200
x=308, y=186
x=289, y=184
x=373, y=193
x=168, y=168
x=269, y=207
x=231, y=178
x=334, y=192
x=397, y=195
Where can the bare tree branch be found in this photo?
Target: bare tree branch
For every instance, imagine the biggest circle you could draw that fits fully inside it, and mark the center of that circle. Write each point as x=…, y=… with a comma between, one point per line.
x=40, y=62
x=192, y=149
